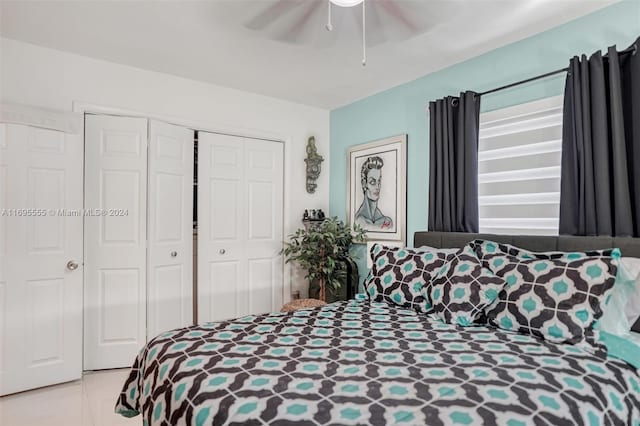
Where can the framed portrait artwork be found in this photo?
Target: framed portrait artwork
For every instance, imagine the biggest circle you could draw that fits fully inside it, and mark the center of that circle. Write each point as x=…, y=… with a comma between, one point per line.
x=376, y=188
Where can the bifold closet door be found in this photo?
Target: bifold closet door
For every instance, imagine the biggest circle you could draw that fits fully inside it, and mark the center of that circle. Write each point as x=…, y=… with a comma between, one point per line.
x=40, y=257
x=170, y=231
x=240, y=224
x=115, y=240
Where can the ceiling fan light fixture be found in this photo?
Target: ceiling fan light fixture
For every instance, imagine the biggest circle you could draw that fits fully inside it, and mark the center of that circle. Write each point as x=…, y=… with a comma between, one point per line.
x=346, y=3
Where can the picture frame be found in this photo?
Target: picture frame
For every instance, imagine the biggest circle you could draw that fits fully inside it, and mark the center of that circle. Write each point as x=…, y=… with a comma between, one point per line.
x=377, y=188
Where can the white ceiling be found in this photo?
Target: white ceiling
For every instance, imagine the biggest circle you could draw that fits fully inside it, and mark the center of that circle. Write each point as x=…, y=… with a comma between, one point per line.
x=209, y=40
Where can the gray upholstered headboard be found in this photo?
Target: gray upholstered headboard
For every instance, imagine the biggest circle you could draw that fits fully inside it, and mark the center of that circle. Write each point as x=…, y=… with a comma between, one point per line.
x=630, y=247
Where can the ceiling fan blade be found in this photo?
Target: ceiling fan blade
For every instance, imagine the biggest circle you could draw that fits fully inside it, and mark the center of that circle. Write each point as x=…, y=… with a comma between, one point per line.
x=394, y=10
x=295, y=31
x=271, y=13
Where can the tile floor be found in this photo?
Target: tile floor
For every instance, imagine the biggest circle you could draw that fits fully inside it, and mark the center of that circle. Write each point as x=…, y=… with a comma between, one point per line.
x=86, y=402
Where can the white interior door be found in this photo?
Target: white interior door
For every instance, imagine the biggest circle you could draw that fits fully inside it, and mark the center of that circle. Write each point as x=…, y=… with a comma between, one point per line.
x=264, y=189
x=115, y=240
x=240, y=201
x=170, y=235
x=40, y=297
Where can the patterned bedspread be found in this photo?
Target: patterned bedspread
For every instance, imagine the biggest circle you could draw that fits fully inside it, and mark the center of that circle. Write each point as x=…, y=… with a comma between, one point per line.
x=357, y=362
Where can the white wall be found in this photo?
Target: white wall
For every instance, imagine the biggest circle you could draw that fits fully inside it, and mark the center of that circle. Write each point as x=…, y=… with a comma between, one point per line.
x=48, y=78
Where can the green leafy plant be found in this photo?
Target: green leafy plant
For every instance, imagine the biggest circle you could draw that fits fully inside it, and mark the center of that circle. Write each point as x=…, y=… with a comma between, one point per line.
x=319, y=248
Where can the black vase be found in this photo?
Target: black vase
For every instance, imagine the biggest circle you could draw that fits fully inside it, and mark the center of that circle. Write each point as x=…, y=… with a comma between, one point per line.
x=348, y=287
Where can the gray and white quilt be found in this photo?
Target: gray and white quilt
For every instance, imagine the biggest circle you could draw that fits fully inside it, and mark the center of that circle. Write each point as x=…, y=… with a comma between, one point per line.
x=359, y=362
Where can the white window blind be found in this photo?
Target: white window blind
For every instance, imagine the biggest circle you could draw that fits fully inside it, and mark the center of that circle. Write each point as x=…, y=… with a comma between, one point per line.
x=519, y=157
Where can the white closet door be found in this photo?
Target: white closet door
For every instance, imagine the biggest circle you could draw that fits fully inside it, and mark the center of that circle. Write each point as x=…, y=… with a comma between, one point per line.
x=264, y=185
x=240, y=197
x=40, y=297
x=115, y=240
x=221, y=275
x=170, y=235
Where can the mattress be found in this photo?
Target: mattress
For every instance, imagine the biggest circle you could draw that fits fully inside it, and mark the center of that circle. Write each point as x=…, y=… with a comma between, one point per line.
x=358, y=362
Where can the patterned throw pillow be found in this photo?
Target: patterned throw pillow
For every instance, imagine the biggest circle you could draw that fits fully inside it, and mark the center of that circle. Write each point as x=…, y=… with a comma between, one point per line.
x=398, y=275
x=556, y=296
x=462, y=289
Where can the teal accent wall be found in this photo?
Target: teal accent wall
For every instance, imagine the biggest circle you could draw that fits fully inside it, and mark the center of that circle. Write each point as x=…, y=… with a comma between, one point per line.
x=403, y=109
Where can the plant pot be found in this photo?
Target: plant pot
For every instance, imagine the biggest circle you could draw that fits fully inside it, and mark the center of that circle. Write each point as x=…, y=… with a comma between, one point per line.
x=347, y=289
x=332, y=295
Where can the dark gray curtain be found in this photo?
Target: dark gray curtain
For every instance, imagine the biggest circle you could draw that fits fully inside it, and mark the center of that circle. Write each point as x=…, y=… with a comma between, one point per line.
x=453, y=163
x=600, y=183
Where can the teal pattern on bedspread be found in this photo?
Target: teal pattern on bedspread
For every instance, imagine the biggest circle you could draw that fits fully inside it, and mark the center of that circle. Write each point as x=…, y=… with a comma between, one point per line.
x=361, y=362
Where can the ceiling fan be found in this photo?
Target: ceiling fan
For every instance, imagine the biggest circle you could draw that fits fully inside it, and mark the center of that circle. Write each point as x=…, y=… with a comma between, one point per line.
x=291, y=21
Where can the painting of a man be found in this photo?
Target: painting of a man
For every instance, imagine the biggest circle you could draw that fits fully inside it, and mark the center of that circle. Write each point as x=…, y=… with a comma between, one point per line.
x=369, y=215
x=378, y=205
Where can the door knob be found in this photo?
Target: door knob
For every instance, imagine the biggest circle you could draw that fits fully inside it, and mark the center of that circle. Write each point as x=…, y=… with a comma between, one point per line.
x=71, y=265
x=174, y=253
x=222, y=251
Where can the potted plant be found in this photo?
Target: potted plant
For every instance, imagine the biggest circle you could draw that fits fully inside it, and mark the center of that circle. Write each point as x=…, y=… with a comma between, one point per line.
x=319, y=249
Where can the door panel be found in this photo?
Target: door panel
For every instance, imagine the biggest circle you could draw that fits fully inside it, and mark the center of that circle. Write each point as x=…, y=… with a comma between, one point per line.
x=170, y=253
x=115, y=240
x=265, y=179
x=224, y=221
x=168, y=291
x=40, y=299
x=223, y=300
x=169, y=205
x=240, y=191
x=260, y=295
x=45, y=310
x=262, y=211
x=121, y=188
x=45, y=186
x=220, y=218
x=118, y=292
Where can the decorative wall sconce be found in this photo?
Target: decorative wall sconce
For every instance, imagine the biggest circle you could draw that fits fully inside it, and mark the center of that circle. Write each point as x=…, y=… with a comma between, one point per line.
x=314, y=162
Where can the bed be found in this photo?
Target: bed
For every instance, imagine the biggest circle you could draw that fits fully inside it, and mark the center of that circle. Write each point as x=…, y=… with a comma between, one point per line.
x=363, y=362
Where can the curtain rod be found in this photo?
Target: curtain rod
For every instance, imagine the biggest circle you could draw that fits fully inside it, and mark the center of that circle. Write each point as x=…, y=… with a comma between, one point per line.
x=631, y=49
x=518, y=83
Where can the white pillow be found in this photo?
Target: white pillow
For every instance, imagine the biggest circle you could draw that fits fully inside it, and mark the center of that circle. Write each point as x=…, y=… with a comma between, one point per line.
x=632, y=308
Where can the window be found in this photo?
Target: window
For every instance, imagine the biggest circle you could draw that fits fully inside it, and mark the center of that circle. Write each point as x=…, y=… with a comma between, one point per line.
x=519, y=159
